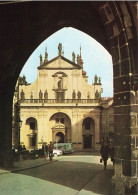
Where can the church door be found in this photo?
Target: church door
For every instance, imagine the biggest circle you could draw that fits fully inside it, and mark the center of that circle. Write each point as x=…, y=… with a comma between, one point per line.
x=87, y=141
x=60, y=137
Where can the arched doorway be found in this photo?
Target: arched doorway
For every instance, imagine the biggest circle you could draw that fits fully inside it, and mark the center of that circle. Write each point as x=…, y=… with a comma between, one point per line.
x=87, y=141
x=60, y=127
x=60, y=137
x=29, y=133
x=88, y=128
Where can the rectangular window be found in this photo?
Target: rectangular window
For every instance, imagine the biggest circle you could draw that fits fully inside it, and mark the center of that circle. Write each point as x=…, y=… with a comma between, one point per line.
x=32, y=141
x=62, y=120
x=57, y=120
x=32, y=125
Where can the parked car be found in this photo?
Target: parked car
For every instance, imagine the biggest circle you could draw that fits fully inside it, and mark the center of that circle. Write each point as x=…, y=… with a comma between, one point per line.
x=66, y=148
x=57, y=152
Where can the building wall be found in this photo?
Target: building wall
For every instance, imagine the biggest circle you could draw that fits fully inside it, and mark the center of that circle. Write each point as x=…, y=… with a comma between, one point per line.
x=107, y=120
x=75, y=117
x=55, y=76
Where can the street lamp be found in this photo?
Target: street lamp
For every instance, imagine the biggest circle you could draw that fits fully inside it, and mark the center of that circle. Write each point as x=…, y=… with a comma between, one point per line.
x=19, y=121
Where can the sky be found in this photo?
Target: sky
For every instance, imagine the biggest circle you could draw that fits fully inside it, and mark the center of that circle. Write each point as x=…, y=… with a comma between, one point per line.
x=96, y=58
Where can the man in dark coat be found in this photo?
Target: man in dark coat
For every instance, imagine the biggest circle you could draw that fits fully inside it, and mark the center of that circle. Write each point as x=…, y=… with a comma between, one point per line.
x=45, y=150
x=104, y=153
x=50, y=149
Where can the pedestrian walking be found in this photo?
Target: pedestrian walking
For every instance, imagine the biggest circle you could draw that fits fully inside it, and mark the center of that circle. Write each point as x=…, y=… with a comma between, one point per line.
x=104, y=153
x=50, y=149
x=45, y=150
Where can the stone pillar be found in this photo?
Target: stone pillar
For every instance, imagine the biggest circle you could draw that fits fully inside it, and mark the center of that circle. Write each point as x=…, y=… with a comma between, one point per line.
x=6, y=157
x=97, y=132
x=119, y=26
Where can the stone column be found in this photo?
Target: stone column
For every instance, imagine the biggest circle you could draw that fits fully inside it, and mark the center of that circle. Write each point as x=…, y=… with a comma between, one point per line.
x=97, y=131
x=119, y=25
x=6, y=157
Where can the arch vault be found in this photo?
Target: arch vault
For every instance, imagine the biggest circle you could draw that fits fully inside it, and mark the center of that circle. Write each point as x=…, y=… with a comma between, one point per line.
x=24, y=25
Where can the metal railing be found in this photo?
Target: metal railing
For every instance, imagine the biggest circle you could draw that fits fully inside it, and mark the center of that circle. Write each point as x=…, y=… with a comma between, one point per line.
x=65, y=101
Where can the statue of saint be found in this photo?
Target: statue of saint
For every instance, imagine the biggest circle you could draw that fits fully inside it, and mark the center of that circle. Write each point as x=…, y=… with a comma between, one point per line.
x=73, y=57
x=99, y=80
x=73, y=95
x=95, y=79
x=46, y=94
x=79, y=95
x=41, y=60
x=59, y=84
x=40, y=95
x=59, y=49
x=46, y=56
x=22, y=95
x=97, y=94
x=78, y=59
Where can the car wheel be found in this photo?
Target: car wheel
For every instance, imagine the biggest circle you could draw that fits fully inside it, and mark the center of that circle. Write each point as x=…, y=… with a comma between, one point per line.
x=55, y=155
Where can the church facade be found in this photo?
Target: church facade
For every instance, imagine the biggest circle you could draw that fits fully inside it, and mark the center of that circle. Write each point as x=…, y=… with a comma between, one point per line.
x=60, y=106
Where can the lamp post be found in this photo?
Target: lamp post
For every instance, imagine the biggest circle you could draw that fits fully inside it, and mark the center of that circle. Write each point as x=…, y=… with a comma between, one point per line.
x=19, y=128
x=130, y=75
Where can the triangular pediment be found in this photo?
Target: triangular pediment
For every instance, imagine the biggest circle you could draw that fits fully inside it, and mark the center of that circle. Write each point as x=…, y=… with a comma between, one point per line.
x=59, y=62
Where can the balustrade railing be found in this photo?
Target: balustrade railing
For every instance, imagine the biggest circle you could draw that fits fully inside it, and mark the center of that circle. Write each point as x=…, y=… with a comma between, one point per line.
x=53, y=101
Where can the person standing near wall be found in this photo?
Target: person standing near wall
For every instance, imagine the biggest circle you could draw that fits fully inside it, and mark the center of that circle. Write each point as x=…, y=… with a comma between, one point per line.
x=50, y=149
x=104, y=153
x=45, y=150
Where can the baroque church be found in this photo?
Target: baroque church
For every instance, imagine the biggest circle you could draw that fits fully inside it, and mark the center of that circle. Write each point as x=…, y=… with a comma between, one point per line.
x=60, y=106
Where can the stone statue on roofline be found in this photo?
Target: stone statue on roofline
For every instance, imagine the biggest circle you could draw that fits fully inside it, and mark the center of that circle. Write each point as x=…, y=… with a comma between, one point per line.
x=73, y=57
x=59, y=49
x=99, y=80
x=97, y=95
x=41, y=60
x=46, y=56
x=78, y=59
x=95, y=80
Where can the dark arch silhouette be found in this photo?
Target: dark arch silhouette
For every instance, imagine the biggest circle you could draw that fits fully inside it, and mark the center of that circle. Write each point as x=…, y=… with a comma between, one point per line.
x=25, y=25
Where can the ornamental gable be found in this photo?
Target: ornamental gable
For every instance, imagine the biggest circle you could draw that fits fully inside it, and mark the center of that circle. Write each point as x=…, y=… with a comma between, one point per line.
x=59, y=62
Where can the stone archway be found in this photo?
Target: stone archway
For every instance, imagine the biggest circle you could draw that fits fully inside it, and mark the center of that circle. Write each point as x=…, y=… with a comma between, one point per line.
x=28, y=133
x=115, y=28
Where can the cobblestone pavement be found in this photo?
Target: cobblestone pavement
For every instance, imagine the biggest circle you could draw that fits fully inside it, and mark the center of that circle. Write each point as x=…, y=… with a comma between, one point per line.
x=18, y=183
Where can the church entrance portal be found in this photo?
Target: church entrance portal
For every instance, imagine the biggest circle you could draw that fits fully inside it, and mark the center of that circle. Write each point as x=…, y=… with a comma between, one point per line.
x=87, y=141
x=61, y=127
x=60, y=137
